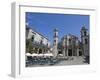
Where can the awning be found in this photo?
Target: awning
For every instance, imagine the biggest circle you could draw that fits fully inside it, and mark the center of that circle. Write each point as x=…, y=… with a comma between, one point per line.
x=48, y=54
x=28, y=54
x=40, y=55
x=34, y=54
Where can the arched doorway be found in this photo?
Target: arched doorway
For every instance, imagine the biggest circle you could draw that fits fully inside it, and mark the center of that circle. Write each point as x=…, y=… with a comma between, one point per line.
x=80, y=53
x=40, y=51
x=69, y=52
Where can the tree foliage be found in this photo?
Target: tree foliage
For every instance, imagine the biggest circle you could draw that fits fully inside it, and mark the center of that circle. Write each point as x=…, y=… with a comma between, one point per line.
x=29, y=46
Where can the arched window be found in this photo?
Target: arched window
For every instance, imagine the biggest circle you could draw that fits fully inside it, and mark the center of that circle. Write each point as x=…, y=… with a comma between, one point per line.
x=41, y=41
x=85, y=33
x=55, y=41
x=86, y=41
x=69, y=41
x=32, y=38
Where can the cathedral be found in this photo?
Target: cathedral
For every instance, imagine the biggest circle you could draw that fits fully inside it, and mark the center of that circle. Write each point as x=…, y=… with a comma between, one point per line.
x=71, y=45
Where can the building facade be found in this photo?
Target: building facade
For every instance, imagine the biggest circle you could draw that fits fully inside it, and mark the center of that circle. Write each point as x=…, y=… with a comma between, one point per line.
x=40, y=43
x=70, y=45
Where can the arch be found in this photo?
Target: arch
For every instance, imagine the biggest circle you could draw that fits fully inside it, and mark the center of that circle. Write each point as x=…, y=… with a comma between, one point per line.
x=69, y=52
x=40, y=51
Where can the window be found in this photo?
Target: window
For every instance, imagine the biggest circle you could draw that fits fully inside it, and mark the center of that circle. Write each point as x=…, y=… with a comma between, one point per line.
x=32, y=38
x=41, y=42
x=55, y=41
x=84, y=33
x=86, y=41
x=69, y=41
x=47, y=44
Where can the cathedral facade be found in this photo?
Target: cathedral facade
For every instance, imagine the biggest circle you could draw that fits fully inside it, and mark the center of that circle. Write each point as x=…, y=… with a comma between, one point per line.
x=70, y=45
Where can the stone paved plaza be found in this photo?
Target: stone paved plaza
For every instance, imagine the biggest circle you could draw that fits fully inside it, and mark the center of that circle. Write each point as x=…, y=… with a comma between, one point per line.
x=70, y=61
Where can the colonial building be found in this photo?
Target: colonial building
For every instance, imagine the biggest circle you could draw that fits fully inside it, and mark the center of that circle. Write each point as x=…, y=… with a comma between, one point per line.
x=40, y=43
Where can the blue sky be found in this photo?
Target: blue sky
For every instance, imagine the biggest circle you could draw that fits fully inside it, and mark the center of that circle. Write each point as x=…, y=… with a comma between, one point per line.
x=45, y=23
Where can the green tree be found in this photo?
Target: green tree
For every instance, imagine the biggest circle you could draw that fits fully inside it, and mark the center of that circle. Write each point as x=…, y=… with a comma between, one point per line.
x=29, y=46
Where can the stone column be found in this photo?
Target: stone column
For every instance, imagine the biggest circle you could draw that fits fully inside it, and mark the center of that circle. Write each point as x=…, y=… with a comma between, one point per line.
x=77, y=51
x=67, y=52
x=64, y=52
x=38, y=51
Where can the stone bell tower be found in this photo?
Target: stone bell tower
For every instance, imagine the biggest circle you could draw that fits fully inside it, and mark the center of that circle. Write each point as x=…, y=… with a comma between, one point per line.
x=85, y=41
x=55, y=43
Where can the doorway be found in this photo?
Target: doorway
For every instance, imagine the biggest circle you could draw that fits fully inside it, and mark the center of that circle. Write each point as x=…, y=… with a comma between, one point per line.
x=80, y=53
x=40, y=51
x=69, y=52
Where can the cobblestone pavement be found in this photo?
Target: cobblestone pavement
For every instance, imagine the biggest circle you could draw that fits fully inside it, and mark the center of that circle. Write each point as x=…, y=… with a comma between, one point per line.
x=75, y=61
x=71, y=61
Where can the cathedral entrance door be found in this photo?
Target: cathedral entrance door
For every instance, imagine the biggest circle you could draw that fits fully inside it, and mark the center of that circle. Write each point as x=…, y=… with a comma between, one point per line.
x=69, y=52
x=80, y=53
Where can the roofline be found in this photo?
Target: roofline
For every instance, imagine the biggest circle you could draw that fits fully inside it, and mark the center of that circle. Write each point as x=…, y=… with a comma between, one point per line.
x=38, y=33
